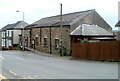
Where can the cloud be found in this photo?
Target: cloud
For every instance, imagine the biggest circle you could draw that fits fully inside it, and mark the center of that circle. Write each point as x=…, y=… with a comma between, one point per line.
x=37, y=9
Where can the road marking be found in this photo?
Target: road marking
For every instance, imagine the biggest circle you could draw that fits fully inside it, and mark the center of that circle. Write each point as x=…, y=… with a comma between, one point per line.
x=22, y=78
x=27, y=78
x=13, y=73
x=20, y=58
x=2, y=77
x=30, y=78
x=2, y=57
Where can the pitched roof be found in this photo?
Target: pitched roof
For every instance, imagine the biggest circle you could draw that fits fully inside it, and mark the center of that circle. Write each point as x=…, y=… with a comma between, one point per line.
x=68, y=19
x=90, y=30
x=118, y=24
x=7, y=27
x=0, y=30
x=17, y=25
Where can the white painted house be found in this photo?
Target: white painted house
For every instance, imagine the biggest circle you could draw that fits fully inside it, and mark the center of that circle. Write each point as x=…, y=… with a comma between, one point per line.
x=11, y=32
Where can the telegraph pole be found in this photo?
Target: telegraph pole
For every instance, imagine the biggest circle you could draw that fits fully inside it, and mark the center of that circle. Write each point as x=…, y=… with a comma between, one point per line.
x=61, y=41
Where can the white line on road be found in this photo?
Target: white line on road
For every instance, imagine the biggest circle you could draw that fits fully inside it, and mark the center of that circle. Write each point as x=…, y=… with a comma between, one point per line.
x=2, y=57
x=22, y=59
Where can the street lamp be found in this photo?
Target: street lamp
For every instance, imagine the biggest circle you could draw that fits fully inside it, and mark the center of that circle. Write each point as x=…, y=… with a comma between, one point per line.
x=22, y=12
x=23, y=30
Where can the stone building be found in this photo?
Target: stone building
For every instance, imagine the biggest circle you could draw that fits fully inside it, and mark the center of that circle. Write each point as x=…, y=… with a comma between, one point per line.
x=46, y=34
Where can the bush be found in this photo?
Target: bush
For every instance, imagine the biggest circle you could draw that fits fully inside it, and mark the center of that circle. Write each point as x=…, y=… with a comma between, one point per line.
x=64, y=51
x=17, y=47
x=83, y=41
x=60, y=51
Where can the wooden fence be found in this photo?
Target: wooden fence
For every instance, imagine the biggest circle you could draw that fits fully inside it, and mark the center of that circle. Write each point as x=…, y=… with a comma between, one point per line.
x=107, y=50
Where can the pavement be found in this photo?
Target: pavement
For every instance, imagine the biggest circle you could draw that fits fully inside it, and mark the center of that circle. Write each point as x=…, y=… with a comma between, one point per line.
x=48, y=54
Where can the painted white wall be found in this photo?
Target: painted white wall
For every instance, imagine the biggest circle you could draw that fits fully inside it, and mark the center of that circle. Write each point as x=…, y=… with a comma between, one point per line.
x=3, y=33
x=15, y=39
x=3, y=40
x=9, y=42
x=16, y=34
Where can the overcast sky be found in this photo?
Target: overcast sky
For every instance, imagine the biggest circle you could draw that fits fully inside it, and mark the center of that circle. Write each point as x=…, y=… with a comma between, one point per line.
x=36, y=9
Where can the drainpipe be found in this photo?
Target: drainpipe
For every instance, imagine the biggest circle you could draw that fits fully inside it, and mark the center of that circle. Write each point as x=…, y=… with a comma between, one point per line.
x=6, y=38
x=30, y=38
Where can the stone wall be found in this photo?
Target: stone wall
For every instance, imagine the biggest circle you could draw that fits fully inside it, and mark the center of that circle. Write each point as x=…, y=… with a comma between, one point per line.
x=93, y=18
x=39, y=36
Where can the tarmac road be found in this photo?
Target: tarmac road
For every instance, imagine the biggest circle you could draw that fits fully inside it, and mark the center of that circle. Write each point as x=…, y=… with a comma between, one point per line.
x=27, y=65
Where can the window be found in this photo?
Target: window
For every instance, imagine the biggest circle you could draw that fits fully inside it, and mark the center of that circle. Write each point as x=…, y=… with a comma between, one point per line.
x=57, y=44
x=10, y=33
x=45, y=42
x=3, y=34
x=7, y=33
x=9, y=43
x=3, y=42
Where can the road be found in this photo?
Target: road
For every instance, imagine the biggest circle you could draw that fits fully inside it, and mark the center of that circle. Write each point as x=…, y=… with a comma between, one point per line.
x=27, y=65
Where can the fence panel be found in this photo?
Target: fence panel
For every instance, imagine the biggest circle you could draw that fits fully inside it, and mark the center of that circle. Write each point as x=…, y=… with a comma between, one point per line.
x=106, y=50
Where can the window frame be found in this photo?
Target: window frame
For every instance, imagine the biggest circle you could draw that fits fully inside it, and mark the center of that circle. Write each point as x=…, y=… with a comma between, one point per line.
x=46, y=42
x=57, y=44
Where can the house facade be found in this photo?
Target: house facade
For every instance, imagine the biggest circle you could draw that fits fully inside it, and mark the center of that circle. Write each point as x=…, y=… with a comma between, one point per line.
x=117, y=31
x=48, y=36
x=11, y=32
x=47, y=39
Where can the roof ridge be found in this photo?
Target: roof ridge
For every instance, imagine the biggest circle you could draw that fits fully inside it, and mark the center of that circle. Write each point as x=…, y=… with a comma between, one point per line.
x=87, y=29
x=13, y=25
x=71, y=13
x=65, y=15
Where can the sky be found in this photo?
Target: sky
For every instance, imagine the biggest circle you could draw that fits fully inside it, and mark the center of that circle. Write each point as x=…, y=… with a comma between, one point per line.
x=34, y=10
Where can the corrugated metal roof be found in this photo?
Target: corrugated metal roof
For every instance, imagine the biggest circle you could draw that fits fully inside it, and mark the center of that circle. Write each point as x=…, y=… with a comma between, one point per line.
x=90, y=30
x=17, y=25
x=68, y=19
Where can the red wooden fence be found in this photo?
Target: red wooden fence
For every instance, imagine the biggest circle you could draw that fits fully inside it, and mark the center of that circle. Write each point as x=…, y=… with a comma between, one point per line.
x=106, y=50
